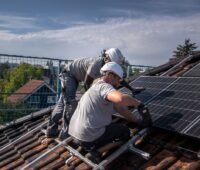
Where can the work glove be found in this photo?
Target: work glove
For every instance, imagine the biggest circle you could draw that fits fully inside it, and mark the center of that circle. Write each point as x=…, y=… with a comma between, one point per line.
x=142, y=109
x=145, y=114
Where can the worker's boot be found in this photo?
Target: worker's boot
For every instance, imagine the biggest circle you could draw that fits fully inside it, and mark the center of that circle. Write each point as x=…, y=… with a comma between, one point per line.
x=52, y=132
x=63, y=135
x=93, y=155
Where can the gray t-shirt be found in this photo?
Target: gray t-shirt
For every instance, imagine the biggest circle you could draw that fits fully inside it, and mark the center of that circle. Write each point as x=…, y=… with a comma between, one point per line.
x=93, y=113
x=79, y=67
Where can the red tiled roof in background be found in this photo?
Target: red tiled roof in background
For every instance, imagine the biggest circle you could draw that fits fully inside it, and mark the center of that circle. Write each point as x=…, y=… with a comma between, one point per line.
x=25, y=90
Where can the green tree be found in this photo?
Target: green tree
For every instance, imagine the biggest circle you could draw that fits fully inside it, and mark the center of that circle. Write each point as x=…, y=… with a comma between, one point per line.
x=185, y=50
x=20, y=75
x=4, y=67
x=2, y=85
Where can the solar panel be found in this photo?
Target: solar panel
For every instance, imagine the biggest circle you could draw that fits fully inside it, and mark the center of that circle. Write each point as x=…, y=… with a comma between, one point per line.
x=153, y=86
x=174, y=103
x=194, y=72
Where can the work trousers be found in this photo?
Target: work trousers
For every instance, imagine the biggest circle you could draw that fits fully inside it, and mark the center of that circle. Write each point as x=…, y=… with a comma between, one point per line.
x=67, y=101
x=113, y=132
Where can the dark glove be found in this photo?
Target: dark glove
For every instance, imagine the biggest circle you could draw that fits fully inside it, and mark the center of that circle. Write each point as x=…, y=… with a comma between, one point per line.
x=144, y=112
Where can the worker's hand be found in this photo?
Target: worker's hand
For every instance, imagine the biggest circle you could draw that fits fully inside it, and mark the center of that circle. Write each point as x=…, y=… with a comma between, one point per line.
x=142, y=109
x=144, y=112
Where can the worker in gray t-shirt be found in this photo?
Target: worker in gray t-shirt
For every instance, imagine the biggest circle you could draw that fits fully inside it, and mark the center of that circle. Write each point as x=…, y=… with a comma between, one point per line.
x=80, y=70
x=90, y=125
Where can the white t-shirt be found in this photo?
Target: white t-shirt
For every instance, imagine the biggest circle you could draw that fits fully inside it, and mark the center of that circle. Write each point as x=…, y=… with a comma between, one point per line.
x=93, y=113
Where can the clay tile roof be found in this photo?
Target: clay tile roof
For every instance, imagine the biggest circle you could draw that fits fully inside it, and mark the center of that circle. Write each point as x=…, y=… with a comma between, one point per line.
x=25, y=90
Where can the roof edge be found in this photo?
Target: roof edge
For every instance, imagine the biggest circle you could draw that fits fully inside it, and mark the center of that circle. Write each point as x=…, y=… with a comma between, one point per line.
x=27, y=117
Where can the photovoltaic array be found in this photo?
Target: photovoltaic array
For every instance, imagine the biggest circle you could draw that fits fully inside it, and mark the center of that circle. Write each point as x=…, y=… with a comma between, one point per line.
x=153, y=85
x=194, y=72
x=174, y=103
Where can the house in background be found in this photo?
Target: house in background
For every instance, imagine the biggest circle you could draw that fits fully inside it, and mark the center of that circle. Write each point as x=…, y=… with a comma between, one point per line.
x=36, y=93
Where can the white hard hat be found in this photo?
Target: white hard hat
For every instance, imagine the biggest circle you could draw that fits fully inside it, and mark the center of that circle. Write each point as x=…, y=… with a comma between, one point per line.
x=112, y=67
x=115, y=55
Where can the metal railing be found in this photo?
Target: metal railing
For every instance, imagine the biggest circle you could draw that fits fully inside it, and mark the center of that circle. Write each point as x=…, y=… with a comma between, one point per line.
x=26, y=102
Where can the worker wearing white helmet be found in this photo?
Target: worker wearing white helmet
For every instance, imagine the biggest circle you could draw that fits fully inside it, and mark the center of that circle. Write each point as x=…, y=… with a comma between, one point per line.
x=80, y=70
x=112, y=67
x=91, y=124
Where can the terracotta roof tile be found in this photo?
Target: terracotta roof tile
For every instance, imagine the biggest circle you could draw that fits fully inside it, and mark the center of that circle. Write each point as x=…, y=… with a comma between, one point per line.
x=162, y=145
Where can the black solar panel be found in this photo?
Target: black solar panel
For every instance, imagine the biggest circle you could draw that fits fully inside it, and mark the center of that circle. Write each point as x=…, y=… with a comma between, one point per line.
x=174, y=103
x=194, y=72
x=153, y=85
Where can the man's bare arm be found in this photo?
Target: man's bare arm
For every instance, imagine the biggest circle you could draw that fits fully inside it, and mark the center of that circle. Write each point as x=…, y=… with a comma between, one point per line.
x=122, y=99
